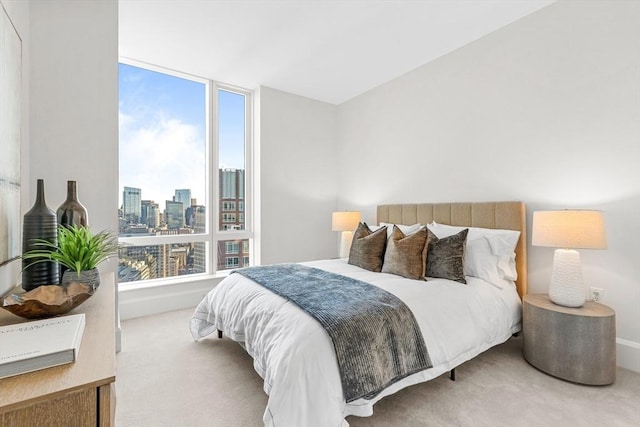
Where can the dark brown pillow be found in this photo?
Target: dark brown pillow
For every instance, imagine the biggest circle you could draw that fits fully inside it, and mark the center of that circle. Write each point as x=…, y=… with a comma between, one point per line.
x=367, y=247
x=405, y=255
x=445, y=256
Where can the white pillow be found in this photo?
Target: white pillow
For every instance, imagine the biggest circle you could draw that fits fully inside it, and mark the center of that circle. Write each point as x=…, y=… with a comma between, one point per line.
x=481, y=262
x=502, y=244
x=406, y=229
x=506, y=256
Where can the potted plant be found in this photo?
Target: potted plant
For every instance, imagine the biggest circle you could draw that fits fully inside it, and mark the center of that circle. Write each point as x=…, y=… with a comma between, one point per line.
x=78, y=250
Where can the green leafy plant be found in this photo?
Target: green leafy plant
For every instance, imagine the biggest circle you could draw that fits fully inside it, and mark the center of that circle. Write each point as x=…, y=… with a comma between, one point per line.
x=78, y=248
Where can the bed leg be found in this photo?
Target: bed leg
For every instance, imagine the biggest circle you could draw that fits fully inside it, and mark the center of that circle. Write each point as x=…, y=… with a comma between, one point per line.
x=219, y=333
x=452, y=374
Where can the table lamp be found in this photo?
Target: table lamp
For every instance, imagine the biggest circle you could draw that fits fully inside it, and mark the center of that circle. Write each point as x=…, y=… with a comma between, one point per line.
x=568, y=230
x=346, y=222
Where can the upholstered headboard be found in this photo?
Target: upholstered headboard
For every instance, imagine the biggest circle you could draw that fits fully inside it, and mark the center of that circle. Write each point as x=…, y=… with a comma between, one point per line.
x=503, y=215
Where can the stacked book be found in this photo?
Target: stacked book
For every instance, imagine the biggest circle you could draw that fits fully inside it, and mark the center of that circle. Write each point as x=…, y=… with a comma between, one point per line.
x=30, y=346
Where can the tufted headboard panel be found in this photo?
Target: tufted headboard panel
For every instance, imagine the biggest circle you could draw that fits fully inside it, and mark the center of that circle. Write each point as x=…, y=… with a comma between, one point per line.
x=502, y=215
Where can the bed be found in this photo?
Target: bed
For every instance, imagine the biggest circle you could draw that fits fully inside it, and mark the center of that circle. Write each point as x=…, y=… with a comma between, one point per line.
x=295, y=356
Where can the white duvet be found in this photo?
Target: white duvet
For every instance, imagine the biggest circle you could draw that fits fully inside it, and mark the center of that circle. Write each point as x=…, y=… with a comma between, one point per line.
x=295, y=357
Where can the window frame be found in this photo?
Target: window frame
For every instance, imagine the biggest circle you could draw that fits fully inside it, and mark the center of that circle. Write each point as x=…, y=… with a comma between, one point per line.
x=213, y=205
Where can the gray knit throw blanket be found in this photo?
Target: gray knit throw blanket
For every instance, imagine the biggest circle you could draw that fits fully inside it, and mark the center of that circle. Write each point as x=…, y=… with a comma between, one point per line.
x=375, y=335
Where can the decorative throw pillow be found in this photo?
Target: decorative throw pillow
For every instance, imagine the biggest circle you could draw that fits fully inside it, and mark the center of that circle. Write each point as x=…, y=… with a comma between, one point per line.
x=503, y=244
x=445, y=256
x=405, y=255
x=367, y=247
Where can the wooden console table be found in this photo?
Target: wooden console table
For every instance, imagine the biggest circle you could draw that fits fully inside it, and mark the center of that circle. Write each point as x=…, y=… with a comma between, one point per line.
x=77, y=394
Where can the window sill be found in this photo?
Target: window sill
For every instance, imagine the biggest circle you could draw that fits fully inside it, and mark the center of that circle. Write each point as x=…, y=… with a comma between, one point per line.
x=169, y=281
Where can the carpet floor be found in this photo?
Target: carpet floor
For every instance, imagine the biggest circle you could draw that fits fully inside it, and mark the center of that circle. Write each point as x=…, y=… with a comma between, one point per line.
x=164, y=378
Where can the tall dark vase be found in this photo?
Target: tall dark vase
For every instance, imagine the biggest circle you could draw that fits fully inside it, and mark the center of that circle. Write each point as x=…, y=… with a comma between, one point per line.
x=71, y=212
x=39, y=223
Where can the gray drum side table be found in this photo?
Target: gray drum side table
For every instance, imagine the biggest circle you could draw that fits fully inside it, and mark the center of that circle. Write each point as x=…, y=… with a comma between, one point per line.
x=575, y=344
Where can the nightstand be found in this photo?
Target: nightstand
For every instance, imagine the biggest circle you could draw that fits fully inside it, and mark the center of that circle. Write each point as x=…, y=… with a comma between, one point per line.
x=575, y=344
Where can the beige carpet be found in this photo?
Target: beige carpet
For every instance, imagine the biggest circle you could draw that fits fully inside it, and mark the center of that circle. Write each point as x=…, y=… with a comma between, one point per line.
x=166, y=379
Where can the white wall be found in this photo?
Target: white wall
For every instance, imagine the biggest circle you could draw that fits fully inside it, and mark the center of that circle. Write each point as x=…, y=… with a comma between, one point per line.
x=69, y=105
x=545, y=110
x=74, y=106
x=297, y=177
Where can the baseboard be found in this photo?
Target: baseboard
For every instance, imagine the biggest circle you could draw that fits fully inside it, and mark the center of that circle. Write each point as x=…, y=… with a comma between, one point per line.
x=145, y=301
x=628, y=354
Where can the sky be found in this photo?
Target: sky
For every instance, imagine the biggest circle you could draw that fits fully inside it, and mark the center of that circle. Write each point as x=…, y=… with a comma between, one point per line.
x=163, y=133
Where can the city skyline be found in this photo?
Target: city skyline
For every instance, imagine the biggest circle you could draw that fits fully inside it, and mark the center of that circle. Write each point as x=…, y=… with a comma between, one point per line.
x=231, y=183
x=171, y=198
x=158, y=260
x=174, y=198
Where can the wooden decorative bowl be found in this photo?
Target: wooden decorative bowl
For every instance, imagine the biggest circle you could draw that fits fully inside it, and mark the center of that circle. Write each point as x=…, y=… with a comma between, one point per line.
x=47, y=301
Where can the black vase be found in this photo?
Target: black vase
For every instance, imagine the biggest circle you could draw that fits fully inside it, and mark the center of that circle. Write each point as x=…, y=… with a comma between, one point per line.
x=71, y=212
x=39, y=223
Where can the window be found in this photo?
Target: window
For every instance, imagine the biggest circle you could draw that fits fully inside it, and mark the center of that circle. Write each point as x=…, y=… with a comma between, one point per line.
x=231, y=247
x=183, y=175
x=231, y=262
x=227, y=217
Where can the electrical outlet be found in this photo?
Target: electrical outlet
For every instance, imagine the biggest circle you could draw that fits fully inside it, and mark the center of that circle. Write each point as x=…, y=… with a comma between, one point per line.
x=596, y=294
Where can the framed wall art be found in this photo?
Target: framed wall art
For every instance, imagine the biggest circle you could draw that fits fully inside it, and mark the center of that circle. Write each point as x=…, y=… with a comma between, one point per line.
x=10, y=124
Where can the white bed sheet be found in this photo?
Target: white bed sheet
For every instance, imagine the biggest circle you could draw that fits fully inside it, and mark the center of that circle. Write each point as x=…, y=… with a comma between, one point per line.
x=295, y=357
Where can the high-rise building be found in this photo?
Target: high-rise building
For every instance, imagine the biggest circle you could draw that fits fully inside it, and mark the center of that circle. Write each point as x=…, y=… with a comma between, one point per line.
x=190, y=212
x=190, y=215
x=174, y=214
x=132, y=205
x=183, y=196
x=150, y=214
x=200, y=248
x=231, y=215
x=173, y=266
x=232, y=253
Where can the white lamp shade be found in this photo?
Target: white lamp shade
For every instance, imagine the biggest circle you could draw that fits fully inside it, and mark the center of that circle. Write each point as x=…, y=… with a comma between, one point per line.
x=345, y=220
x=576, y=229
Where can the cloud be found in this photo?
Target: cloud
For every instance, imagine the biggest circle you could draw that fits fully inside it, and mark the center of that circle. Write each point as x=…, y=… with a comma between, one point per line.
x=160, y=154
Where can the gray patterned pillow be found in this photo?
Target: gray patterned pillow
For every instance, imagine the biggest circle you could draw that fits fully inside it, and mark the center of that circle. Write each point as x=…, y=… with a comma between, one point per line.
x=445, y=256
x=367, y=247
x=405, y=255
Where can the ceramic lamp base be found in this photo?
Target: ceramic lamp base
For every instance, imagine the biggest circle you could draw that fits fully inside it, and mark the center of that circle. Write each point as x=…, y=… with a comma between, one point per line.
x=345, y=243
x=567, y=287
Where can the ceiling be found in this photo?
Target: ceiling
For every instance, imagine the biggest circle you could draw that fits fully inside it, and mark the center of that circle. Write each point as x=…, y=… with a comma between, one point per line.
x=331, y=50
